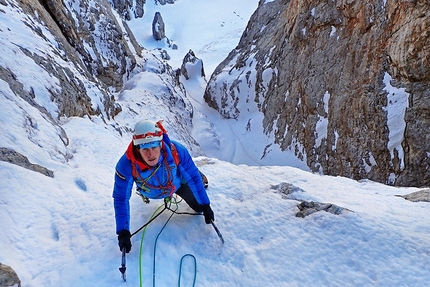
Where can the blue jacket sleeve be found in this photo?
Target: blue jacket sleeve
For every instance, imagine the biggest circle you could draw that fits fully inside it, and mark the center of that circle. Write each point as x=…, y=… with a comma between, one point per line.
x=122, y=193
x=191, y=174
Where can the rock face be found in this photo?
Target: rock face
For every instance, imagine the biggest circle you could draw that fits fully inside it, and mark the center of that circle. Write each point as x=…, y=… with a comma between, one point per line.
x=343, y=84
x=88, y=42
x=95, y=33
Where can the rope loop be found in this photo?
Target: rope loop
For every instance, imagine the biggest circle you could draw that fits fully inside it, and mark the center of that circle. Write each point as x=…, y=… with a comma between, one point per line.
x=167, y=205
x=180, y=269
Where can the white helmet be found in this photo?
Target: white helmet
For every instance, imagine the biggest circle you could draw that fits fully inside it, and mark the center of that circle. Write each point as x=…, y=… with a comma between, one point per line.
x=147, y=131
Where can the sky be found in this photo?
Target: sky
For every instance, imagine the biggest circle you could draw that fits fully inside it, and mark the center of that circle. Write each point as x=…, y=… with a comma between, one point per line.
x=60, y=231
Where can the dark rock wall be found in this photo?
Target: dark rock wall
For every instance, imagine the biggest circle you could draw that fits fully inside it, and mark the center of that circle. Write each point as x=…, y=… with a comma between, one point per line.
x=316, y=71
x=92, y=40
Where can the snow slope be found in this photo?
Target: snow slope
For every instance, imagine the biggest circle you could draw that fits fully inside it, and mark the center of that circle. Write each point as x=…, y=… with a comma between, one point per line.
x=60, y=231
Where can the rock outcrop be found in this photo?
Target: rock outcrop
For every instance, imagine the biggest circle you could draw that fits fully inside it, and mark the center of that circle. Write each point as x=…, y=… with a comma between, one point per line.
x=139, y=9
x=306, y=207
x=14, y=157
x=158, y=30
x=309, y=207
x=8, y=277
x=420, y=195
x=164, y=2
x=192, y=66
x=345, y=85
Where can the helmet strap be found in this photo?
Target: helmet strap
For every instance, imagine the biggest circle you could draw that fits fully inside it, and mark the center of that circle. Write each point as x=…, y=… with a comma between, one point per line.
x=160, y=125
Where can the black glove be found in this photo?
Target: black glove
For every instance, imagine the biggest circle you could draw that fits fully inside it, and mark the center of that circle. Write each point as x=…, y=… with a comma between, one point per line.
x=124, y=240
x=208, y=213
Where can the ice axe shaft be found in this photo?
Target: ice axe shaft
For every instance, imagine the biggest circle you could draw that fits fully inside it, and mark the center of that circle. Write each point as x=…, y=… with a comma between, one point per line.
x=217, y=231
x=122, y=268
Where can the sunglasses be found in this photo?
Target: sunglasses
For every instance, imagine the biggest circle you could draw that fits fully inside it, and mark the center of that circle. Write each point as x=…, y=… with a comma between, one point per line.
x=149, y=145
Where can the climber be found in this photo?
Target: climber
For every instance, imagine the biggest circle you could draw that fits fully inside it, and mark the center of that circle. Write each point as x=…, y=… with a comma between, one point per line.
x=160, y=167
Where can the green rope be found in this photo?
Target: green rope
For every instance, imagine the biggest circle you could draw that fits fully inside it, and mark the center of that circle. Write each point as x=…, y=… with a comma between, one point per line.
x=141, y=244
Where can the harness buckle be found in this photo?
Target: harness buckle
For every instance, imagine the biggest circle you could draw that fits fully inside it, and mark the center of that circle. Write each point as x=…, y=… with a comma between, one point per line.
x=144, y=198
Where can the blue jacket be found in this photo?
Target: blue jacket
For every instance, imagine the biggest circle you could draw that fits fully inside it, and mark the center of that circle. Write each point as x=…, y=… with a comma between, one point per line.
x=160, y=181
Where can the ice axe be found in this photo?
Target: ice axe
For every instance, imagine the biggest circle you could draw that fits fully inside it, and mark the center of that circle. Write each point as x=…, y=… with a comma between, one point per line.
x=217, y=231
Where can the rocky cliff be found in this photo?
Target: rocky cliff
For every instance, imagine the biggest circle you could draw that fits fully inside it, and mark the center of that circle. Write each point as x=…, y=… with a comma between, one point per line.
x=344, y=84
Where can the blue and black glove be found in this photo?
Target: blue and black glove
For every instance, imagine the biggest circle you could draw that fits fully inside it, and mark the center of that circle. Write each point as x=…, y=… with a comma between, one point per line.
x=124, y=240
x=208, y=213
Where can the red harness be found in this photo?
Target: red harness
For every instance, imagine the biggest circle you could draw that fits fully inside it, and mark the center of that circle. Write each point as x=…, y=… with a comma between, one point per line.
x=169, y=186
